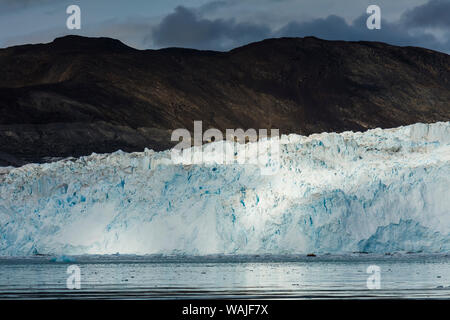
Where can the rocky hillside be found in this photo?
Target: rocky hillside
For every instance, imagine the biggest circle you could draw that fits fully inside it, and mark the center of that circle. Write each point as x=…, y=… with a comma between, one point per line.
x=80, y=95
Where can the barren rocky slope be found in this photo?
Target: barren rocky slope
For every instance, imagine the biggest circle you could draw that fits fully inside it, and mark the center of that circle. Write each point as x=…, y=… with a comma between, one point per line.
x=79, y=95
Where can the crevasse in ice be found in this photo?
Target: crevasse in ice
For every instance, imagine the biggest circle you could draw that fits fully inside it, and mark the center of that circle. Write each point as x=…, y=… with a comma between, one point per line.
x=377, y=191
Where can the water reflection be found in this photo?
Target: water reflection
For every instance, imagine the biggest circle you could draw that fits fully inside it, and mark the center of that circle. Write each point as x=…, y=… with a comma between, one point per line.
x=137, y=278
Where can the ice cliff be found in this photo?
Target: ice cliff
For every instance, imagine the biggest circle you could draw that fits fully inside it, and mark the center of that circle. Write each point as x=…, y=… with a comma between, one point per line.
x=377, y=191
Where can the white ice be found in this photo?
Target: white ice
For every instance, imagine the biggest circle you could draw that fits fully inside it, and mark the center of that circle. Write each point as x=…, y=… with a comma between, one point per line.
x=377, y=191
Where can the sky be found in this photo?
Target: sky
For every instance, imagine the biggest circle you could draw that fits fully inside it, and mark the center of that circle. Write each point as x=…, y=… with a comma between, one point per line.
x=226, y=24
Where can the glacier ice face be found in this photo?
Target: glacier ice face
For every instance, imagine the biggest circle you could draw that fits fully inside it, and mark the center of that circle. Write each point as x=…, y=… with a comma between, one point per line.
x=377, y=191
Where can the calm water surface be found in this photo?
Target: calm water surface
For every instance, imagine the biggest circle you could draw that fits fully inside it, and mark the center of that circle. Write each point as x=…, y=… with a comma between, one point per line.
x=156, y=277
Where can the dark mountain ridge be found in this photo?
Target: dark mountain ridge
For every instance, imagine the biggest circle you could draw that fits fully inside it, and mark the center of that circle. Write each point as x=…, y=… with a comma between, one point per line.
x=80, y=95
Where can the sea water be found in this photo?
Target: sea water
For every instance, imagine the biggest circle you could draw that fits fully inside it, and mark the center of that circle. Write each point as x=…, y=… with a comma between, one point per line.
x=262, y=277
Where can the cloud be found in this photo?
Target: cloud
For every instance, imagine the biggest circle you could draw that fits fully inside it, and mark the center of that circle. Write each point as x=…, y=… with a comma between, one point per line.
x=435, y=13
x=336, y=28
x=213, y=6
x=226, y=24
x=185, y=28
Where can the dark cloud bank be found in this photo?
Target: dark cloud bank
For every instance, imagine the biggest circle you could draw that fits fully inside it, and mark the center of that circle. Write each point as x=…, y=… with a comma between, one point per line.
x=435, y=13
x=186, y=28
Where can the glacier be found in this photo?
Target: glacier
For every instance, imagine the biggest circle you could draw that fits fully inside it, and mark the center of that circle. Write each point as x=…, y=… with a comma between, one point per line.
x=384, y=190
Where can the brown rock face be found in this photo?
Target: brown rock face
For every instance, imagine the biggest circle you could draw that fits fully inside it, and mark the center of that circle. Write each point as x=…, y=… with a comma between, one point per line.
x=79, y=95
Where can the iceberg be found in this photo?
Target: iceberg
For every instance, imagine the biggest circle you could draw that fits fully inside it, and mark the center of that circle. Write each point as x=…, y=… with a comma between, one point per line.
x=379, y=191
